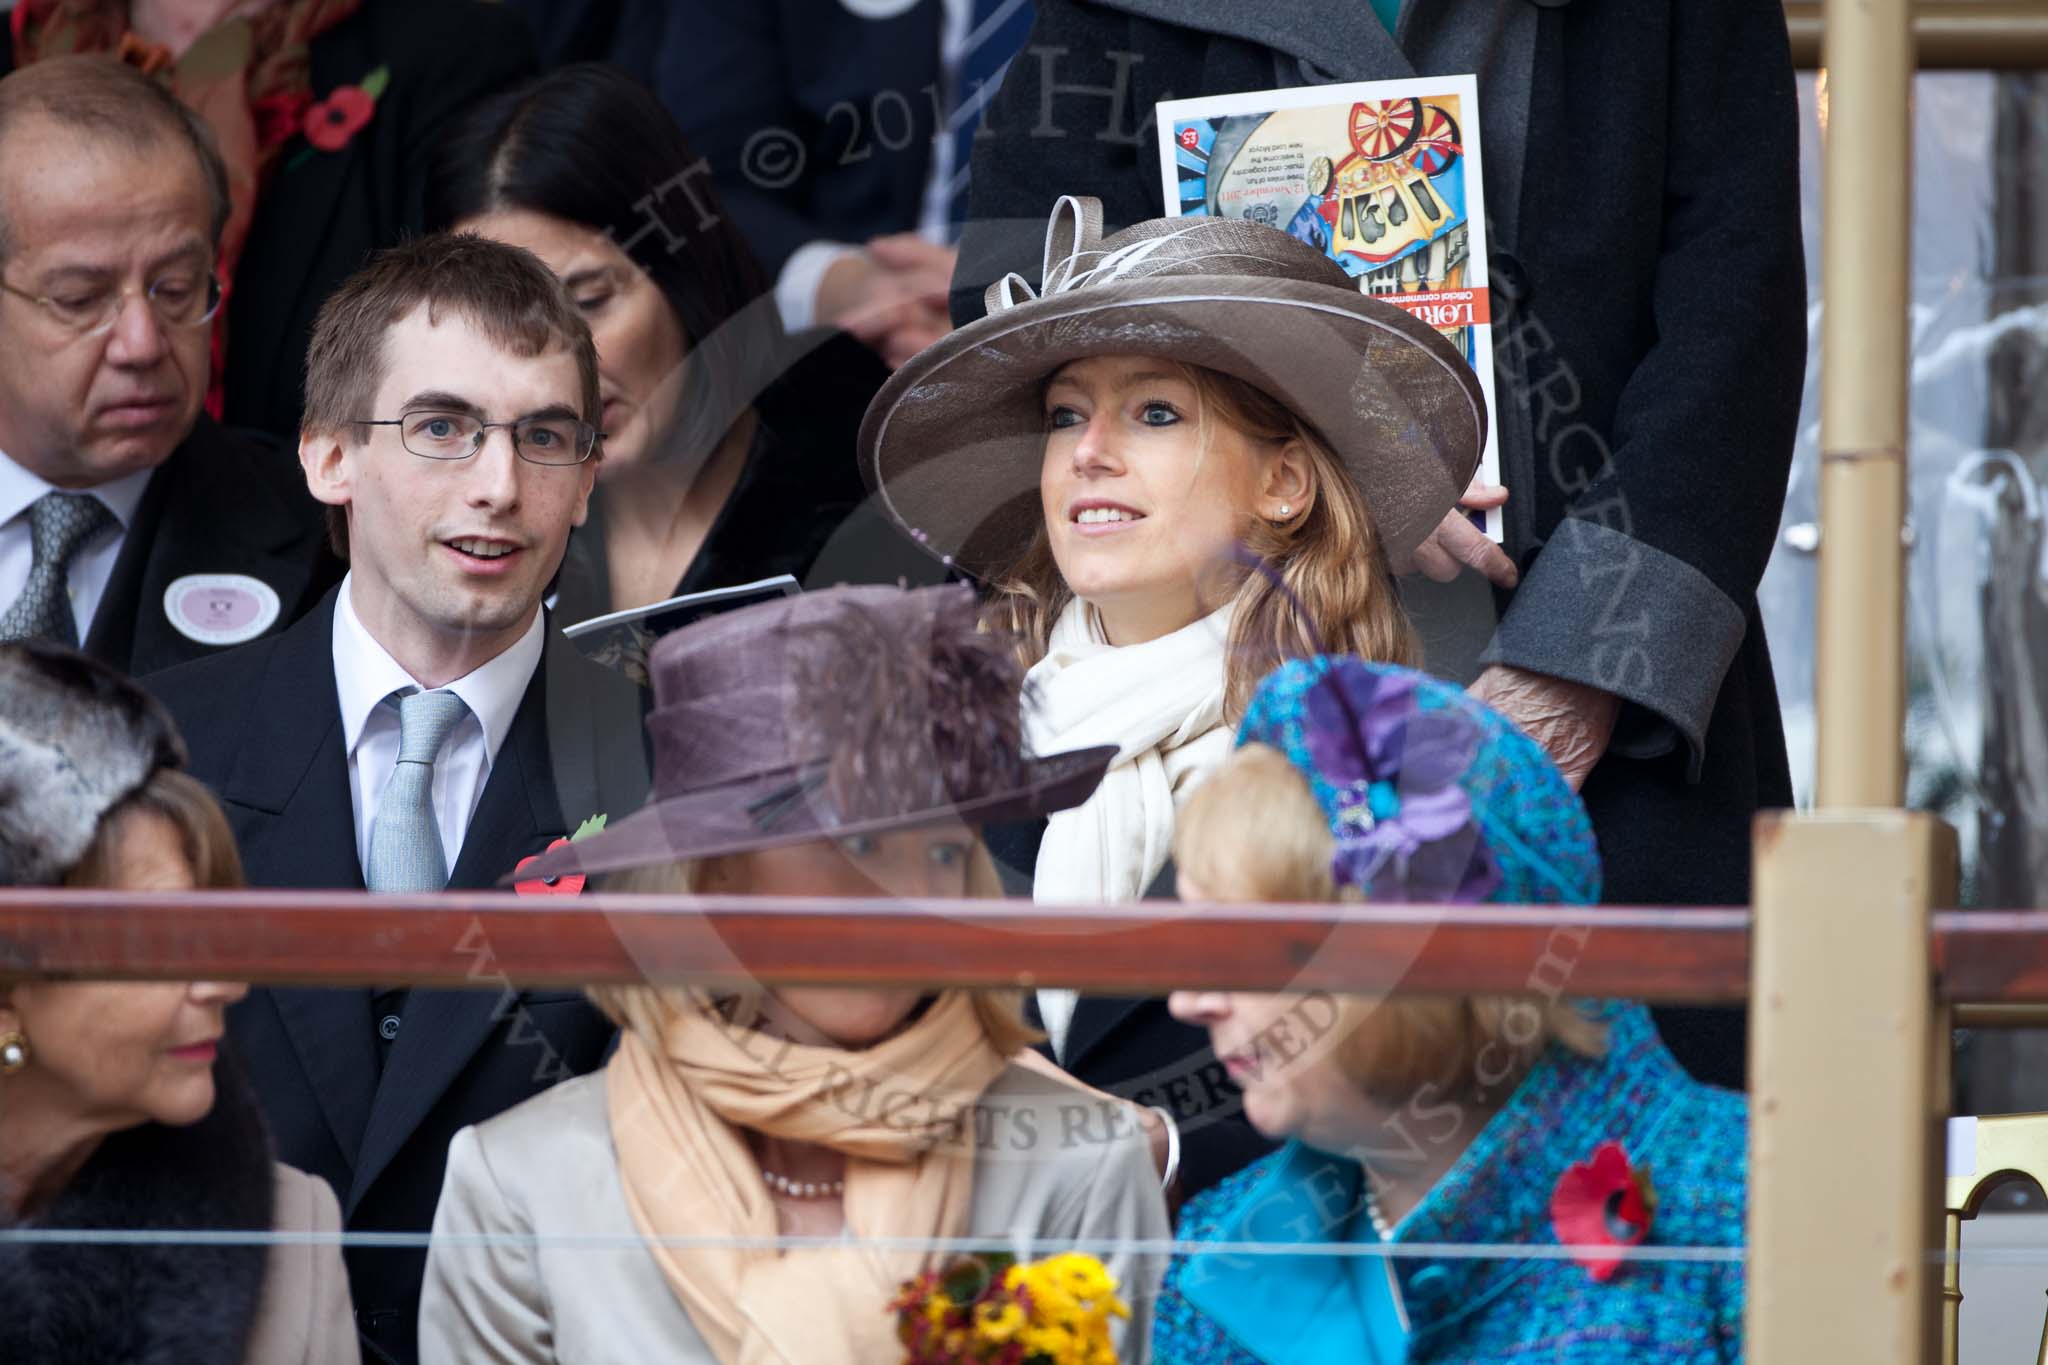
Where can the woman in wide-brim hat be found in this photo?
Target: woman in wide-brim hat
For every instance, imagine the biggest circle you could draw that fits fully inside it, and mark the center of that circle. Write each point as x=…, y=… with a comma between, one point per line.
x=1102, y=452
x=840, y=743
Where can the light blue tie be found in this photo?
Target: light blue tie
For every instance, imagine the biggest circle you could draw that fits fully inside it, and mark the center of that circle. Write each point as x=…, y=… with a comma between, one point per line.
x=405, y=838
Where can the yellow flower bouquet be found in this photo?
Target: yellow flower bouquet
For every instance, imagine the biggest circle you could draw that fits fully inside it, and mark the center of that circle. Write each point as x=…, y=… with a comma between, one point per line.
x=995, y=1310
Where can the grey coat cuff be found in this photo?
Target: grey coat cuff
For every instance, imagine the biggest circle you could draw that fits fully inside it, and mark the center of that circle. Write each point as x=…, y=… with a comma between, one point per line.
x=1606, y=610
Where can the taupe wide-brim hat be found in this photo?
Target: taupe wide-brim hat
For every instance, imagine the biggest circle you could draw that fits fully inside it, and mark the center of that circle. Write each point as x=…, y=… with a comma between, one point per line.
x=954, y=441
x=826, y=715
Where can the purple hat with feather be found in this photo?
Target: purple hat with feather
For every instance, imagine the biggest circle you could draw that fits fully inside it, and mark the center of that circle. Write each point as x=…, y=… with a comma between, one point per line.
x=830, y=714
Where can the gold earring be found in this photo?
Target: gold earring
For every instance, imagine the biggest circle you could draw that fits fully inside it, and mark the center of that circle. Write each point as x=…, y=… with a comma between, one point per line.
x=13, y=1052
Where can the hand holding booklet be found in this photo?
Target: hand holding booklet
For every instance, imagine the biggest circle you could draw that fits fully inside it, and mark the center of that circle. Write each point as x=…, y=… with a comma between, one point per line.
x=1384, y=177
x=621, y=639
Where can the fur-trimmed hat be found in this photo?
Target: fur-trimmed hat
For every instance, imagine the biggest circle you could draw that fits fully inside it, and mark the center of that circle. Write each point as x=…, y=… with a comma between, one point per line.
x=76, y=740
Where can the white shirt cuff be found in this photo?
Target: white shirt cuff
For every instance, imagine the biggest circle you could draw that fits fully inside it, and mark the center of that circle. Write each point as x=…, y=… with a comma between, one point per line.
x=796, y=288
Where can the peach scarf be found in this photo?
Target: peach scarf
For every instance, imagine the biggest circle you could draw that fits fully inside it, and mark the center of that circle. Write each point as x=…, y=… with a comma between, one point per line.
x=683, y=1084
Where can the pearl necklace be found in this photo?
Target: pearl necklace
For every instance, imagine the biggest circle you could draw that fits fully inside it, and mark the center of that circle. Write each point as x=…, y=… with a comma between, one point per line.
x=803, y=1189
x=1374, y=1216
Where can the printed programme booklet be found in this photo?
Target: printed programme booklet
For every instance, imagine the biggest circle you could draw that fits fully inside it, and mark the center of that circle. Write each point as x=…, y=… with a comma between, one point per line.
x=1383, y=176
x=621, y=639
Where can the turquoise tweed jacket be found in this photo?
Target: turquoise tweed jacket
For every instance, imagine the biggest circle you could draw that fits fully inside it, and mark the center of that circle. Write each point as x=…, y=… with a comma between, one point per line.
x=1691, y=1138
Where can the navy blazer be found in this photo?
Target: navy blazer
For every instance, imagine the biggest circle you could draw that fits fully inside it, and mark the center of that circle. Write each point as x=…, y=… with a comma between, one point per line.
x=264, y=727
x=816, y=121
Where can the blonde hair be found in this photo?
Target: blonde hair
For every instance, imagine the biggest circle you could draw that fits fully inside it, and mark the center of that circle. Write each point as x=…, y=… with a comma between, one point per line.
x=1335, y=592
x=645, y=1009
x=1254, y=832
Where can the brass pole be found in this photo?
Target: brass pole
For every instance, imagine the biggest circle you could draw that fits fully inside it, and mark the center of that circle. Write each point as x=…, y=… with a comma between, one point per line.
x=2027, y=1015
x=1995, y=35
x=1867, y=210
x=1952, y=1290
x=1845, y=1152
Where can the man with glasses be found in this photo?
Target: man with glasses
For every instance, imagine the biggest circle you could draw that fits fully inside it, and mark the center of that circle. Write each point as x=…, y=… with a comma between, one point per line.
x=129, y=523
x=423, y=728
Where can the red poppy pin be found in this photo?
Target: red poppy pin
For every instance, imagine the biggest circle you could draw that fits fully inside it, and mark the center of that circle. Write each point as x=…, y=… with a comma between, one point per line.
x=332, y=124
x=1604, y=1202
x=569, y=883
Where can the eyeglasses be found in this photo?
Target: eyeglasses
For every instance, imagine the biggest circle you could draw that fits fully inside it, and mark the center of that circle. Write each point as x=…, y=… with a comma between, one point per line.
x=178, y=300
x=458, y=435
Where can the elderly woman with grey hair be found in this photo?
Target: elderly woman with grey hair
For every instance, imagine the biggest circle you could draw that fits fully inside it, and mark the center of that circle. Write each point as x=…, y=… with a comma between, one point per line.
x=117, y=1112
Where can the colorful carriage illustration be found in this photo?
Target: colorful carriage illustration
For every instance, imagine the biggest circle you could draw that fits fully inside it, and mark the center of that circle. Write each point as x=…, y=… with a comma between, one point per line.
x=1393, y=206
x=1381, y=202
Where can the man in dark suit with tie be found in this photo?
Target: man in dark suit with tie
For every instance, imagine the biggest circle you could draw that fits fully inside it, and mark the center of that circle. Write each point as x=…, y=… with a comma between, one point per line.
x=423, y=727
x=129, y=522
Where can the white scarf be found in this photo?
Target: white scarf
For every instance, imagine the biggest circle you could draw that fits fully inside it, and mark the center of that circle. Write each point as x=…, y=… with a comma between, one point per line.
x=1161, y=704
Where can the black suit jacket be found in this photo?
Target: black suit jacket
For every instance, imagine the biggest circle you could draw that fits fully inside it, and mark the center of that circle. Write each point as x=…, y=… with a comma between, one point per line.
x=1651, y=327
x=223, y=503
x=818, y=123
x=1133, y=1047
x=264, y=727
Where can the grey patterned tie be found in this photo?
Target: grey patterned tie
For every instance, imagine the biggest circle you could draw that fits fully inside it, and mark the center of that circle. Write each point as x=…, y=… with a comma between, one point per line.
x=405, y=839
x=59, y=526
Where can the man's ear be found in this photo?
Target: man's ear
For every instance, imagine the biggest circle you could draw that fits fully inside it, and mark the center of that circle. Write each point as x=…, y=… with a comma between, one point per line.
x=589, y=472
x=329, y=472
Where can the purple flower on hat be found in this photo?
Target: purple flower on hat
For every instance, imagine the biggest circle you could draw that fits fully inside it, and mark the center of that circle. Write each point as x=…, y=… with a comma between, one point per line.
x=1397, y=772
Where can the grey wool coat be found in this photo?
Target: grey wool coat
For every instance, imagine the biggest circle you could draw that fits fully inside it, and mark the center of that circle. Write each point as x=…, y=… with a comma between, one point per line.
x=562, y=1277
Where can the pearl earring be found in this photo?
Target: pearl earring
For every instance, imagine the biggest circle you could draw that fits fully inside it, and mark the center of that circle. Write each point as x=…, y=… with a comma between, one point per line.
x=13, y=1053
x=1285, y=510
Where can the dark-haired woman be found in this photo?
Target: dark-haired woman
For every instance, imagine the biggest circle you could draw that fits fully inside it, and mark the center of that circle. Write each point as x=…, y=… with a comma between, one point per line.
x=729, y=447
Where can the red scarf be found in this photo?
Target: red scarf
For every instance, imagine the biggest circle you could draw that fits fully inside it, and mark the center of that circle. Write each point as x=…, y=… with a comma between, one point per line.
x=249, y=77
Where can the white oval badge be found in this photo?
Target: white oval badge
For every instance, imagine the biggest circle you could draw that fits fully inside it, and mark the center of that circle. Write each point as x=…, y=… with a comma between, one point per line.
x=220, y=608
x=878, y=9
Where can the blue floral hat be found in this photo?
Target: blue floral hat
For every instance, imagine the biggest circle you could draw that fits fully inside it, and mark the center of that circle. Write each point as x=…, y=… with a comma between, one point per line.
x=1433, y=796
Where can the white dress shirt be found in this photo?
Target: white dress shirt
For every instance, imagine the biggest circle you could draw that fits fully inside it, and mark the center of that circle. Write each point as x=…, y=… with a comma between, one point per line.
x=365, y=676
x=92, y=566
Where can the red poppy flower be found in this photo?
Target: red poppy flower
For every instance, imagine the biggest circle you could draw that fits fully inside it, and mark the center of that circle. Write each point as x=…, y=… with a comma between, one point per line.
x=332, y=122
x=1604, y=1202
x=568, y=884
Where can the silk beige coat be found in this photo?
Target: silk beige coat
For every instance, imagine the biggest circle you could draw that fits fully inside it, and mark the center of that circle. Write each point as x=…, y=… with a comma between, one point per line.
x=549, y=1267
x=304, y=1316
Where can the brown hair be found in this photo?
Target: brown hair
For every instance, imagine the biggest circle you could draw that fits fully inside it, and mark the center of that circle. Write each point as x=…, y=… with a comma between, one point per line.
x=1254, y=832
x=505, y=291
x=108, y=98
x=1327, y=554
x=1000, y=1013
x=190, y=808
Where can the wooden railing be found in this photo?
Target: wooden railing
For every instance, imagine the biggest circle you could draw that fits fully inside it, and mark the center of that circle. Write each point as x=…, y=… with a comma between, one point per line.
x=339, y=938
x=1981, y=958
